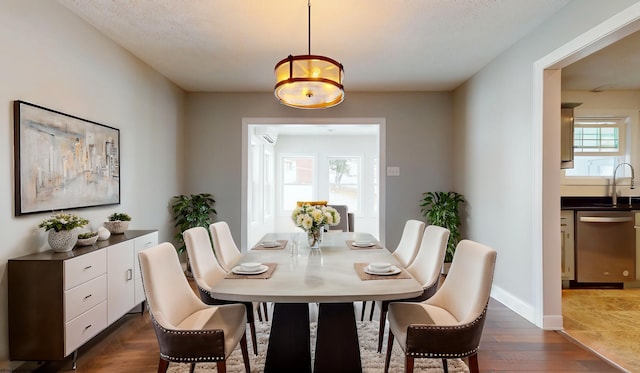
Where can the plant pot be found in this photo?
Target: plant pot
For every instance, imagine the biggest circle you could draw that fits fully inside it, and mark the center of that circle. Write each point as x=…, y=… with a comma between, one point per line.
x=62, y=241
x=116, y=226
x=87, y=241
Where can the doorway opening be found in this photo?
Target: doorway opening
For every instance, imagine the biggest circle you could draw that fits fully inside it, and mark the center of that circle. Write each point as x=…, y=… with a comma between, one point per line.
x=286, y=161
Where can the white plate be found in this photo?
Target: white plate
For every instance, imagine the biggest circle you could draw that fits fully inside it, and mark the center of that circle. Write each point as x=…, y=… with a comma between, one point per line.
x=269, y=244
x=394, y=270
x=239, y=271
x=363, y=244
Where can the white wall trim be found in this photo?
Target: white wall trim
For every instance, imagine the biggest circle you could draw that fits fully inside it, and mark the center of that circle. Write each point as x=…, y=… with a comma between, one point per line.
x=515, y=304
x=544, y=275
x=381, y=122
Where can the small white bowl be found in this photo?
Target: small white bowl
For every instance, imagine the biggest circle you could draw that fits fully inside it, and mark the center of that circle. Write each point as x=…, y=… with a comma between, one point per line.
x=250, y=266
x=380, y=267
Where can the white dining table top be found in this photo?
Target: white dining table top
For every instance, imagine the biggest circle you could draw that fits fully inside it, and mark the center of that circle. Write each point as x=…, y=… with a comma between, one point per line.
x=325, y=276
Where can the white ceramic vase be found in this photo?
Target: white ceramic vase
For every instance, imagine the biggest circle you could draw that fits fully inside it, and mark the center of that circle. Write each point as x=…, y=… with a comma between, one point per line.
x=62, y=241
x=116, y=226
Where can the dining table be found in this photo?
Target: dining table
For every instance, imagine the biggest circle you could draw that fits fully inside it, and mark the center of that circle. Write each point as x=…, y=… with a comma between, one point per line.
x=334, y=276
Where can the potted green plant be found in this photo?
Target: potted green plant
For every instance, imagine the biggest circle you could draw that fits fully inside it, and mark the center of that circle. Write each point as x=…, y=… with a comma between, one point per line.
x=87, y=239
x=441, y=208
x=195, y=210
x=118, y=222
x=63, y=234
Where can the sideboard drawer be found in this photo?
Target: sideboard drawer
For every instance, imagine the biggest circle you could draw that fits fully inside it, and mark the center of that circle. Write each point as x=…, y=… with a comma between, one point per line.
x=83, y=297
x=84, y=327
x=84, y=268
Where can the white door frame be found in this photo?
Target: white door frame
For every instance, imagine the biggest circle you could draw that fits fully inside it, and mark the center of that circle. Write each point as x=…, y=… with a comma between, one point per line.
x=546, y=159
x=380, y=122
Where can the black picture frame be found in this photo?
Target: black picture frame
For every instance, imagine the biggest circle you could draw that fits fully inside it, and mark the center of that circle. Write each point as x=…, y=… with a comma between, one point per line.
x=63, y=162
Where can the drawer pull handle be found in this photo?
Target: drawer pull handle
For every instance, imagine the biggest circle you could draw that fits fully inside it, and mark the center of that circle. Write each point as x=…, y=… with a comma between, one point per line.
x=604, y=219
x=87, y=327
x=87, y=267
x=88, y=296
x=129, y=274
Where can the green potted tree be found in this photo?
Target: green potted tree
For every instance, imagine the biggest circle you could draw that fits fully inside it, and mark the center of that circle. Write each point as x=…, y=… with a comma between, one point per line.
x=195, y=210
x=441, y=208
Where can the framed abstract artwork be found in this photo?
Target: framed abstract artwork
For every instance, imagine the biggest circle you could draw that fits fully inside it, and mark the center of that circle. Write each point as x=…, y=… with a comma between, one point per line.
x=63, y=162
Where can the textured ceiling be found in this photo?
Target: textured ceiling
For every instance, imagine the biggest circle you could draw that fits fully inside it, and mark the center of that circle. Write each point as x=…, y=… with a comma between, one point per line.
x=384, y=45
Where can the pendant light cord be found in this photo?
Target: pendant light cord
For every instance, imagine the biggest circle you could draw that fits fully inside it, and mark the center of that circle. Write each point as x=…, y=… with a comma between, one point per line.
x=309, y=6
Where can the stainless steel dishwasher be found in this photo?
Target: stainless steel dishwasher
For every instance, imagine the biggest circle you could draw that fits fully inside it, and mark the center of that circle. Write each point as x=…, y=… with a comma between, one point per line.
x=605, y=246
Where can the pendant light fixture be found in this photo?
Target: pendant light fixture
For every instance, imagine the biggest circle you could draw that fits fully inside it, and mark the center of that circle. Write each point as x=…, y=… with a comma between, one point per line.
x=309, y=81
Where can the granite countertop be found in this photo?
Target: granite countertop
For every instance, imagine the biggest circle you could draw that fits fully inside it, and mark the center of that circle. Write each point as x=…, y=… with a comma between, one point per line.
x=599, y=203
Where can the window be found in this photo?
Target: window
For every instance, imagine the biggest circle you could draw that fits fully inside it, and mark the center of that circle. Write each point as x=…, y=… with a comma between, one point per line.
x=344, y=182
x=598, y=145
x=297, y=180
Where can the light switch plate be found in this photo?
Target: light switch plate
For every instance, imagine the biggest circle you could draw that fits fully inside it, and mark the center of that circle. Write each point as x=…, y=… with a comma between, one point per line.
x=393, y=171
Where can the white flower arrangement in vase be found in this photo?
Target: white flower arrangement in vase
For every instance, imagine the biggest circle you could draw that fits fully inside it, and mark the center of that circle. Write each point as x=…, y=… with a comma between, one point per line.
x=312, y=218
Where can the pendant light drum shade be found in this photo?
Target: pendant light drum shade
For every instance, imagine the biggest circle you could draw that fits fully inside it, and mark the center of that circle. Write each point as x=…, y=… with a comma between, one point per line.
x=309, y=82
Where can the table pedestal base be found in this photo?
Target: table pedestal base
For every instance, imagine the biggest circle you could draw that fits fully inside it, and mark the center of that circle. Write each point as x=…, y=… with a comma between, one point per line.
x=337, y=347
x=289, y=339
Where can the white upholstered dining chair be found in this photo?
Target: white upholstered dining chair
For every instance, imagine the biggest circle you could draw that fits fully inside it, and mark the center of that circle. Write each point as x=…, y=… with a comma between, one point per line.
x=227, y=253
x=449, y=324
x=425, y=268
x=406, y=250
x=207, y=271
x=188, y=330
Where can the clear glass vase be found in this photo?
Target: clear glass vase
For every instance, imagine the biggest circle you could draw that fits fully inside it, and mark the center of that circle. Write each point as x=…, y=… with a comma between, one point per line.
x=315, y=237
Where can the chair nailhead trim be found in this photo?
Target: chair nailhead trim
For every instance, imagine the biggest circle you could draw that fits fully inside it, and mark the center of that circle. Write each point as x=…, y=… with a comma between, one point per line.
x=443, y=355
x=448, y=355
x=191, y=359
x=186, y=332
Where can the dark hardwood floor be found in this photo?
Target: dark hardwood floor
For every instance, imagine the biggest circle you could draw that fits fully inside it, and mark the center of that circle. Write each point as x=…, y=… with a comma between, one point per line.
x=509, y=344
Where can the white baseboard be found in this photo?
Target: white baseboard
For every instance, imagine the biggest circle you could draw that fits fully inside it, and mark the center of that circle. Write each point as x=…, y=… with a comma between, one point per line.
x=517, y=305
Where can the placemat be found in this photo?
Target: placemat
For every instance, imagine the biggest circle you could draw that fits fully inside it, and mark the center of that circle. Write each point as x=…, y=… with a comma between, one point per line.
x=261, y=276
x=283, y=244
x=365, y=276
x=350, y=244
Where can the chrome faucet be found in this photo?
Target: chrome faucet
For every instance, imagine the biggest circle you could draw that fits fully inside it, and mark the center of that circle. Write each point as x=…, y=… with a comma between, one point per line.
x=614, y=196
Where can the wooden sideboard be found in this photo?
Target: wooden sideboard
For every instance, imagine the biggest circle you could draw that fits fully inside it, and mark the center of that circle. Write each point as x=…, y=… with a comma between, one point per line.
x=59, y=301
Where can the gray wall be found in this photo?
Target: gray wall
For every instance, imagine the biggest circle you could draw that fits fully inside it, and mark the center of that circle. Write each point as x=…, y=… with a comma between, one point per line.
x=53, y=59
x=418, y=134
x=494, y=134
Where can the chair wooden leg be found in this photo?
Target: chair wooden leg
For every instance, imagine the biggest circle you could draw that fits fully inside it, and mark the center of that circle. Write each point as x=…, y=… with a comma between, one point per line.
x=254, y=338
x=384, y=307
x=387, y=359
x=163, y=365
x=473, y=363
x=222, y=366
x=192, y=368
x=266, y=311
x=373, y=307
x=259, y=313
x=445, y=366
x=245, y=353
x=408, y=364
x=364, y=305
